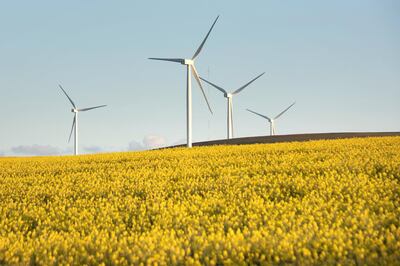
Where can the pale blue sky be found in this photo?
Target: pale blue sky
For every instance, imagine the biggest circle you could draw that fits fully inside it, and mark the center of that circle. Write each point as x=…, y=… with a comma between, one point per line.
x=340, y=60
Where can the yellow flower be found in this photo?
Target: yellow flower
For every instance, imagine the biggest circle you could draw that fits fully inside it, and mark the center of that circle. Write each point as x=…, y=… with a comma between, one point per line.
x=319, y=202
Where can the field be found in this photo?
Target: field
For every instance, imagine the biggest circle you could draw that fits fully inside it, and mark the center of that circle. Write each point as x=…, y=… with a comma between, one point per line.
x=318, y=202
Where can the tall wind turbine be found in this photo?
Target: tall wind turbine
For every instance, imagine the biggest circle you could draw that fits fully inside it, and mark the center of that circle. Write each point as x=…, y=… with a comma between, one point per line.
x=190, y=67
x=229, y=96
x=272, y=121
x=75, y=110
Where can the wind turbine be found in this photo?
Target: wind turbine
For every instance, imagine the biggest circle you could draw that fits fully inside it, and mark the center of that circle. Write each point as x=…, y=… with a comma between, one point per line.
x=190, y=67
x=229, y=96
x=272, y=121
x=75, y=110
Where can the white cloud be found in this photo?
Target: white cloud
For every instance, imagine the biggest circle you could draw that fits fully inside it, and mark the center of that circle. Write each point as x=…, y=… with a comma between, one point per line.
x=100, y=149
x=94, y=149
x=135, y=146
x=153, y=141
x=36, y=150
x=148, y=142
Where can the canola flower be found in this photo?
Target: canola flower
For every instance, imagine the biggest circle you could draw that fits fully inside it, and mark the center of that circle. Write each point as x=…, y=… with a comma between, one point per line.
x=333, y=202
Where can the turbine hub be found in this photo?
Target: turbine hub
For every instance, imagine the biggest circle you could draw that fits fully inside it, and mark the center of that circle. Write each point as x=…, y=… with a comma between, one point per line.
x=188, y=62
x=228, y=95
x=74, y=110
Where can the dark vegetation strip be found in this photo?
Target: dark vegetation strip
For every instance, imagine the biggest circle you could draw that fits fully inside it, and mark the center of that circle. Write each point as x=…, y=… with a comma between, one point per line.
x=291, y=138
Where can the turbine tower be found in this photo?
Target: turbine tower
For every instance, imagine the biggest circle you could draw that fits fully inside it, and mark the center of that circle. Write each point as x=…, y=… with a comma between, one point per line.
x=74, y=128
x=229, y=97
x=190, y=67
x=272, y=121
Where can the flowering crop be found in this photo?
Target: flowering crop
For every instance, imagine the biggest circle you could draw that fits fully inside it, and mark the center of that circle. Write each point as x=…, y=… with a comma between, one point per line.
x=320, y=202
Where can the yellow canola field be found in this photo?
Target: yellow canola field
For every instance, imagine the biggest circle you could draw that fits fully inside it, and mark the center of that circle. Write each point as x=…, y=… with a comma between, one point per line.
x=322, y=202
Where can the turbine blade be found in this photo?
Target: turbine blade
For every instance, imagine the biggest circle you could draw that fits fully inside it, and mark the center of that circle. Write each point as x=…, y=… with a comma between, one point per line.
x=196, y=75
x=90, y=108
x=266, y=117
x=72, y=102
x=247, y=84
x=276, y=117
x=72, y=129
x=176, y=60
x=215, y=86
x=204, y=41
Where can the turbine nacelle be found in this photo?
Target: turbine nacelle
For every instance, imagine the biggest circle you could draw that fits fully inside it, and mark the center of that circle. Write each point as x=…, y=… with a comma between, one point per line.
x=188, y=62
x=228, y=95
x=74, y=110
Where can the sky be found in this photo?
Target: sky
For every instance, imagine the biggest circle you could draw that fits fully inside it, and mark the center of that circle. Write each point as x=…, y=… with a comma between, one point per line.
x=339, y=60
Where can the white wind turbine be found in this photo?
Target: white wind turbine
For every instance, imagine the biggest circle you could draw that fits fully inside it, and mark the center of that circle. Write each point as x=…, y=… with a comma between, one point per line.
x=272, y=121
x=229, y=96
x=75, y=110
x=190, y=67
